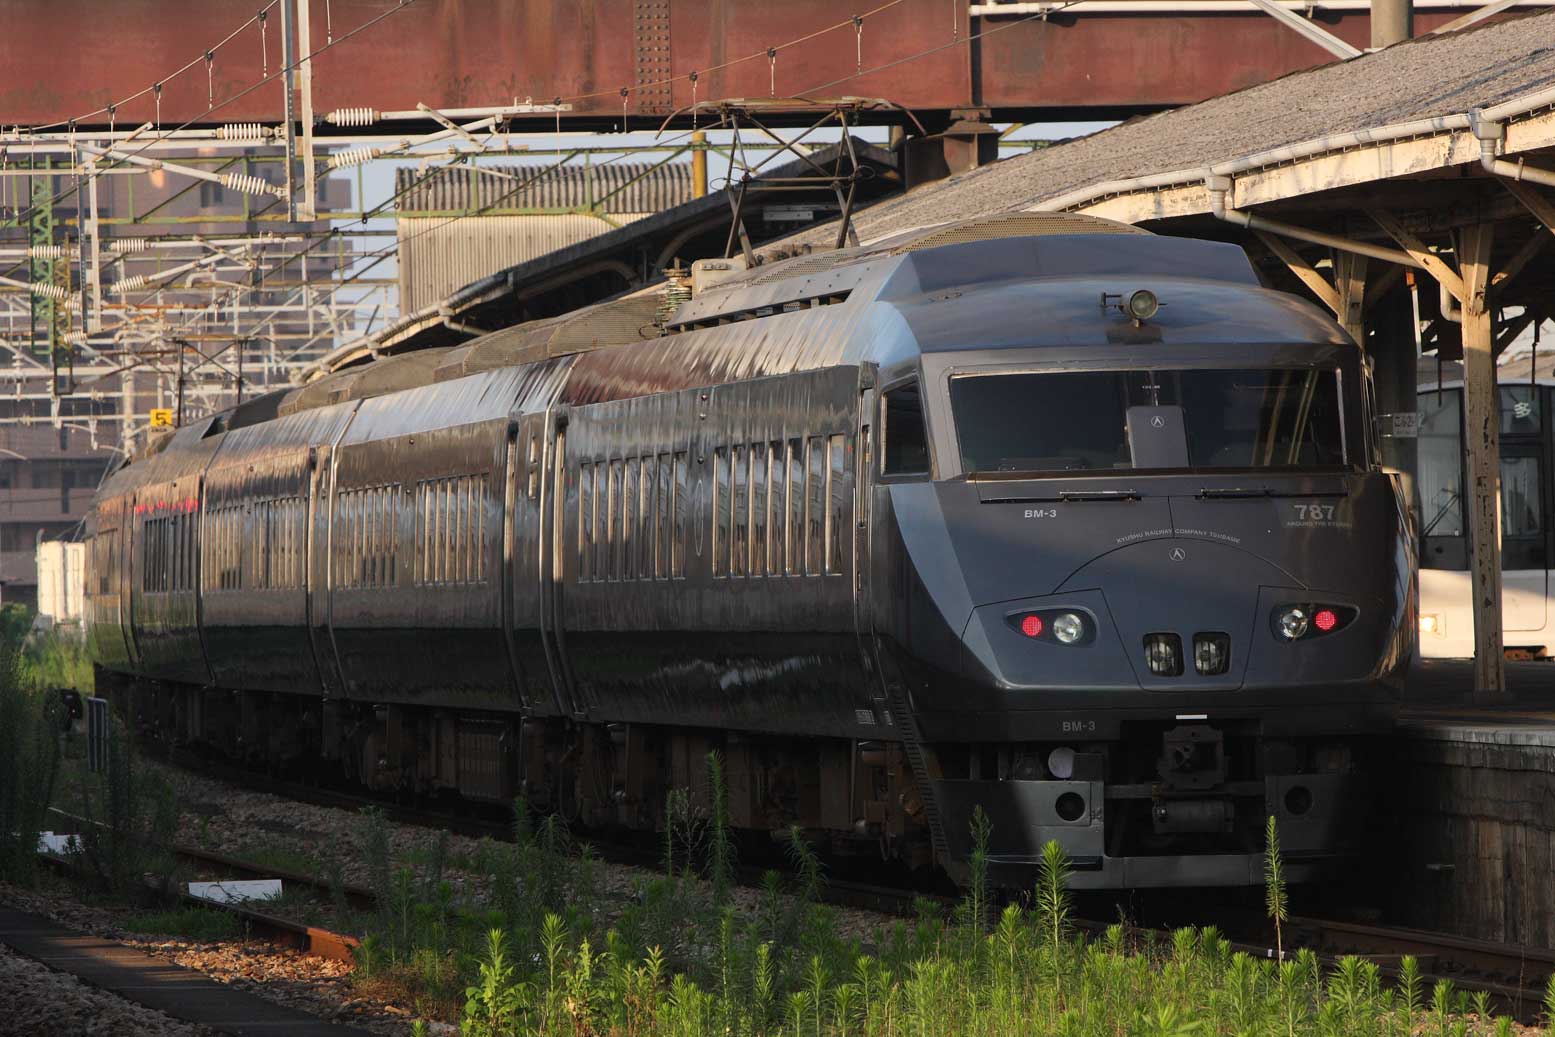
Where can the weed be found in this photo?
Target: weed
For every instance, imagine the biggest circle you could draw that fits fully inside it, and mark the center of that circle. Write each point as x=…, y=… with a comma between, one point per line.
x=29, y=765
x=131, y=815
x=1275, y=901
x=193, y=923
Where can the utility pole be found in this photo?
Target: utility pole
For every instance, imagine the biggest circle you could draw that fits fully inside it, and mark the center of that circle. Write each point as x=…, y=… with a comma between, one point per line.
x=288, y=77
x=1392, y=21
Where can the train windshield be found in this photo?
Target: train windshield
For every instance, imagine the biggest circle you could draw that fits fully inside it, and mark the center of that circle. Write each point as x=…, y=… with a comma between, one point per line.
x=1106, y=420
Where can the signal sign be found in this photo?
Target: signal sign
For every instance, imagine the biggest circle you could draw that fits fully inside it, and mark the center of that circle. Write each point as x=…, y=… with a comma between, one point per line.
x=161, y=417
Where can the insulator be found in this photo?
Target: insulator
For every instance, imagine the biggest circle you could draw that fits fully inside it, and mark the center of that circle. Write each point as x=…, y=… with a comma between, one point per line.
x=57, y=292
x=129, y=284
x=352, y=117
x=46, y=252
x=353, y=157
x=242, y=131
x=245, y=183
x=122, y=245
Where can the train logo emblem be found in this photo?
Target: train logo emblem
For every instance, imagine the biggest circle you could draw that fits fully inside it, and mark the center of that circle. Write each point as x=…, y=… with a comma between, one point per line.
x=1158, y=422
x=1177, y=554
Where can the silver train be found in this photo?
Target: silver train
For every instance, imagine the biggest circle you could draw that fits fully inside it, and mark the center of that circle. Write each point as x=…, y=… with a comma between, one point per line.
x=1042, y=515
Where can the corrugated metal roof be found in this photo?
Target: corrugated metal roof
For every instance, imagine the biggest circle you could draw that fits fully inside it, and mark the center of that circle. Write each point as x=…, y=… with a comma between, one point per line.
x=438, y=254
x=1430, y=76
x=616, y=187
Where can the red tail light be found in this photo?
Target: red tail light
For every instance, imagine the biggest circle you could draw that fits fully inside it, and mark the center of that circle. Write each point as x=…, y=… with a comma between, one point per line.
x=1325, y=620
x=1031, y=626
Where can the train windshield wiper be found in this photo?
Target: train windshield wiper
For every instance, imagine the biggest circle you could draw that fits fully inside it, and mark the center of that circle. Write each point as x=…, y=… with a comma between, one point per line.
x=1247, y=492
x=1097, y=495
x=1233, y=492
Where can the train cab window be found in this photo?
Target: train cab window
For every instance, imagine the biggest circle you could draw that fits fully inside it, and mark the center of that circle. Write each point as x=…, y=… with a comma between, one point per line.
x=906, y=446
x=1079, y=421
x=1519, y=410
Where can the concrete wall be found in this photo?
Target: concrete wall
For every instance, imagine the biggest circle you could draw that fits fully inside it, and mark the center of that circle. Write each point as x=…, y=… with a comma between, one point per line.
x=1476, y=810
x=61, y=580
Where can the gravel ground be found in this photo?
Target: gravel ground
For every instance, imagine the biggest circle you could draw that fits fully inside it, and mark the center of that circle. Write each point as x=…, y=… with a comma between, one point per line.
x=36, y=1000
x=314, y=985
x=326, y=840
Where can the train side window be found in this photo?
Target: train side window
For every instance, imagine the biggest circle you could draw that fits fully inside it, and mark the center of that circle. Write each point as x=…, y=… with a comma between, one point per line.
x=663, y=518
x=816, y=507
x=629, y=519
x=777, y=507
x=758, y=508
x=739, y=512
x=648, y=474
x=906, y=449
x=681, y=507
x=1440, y=484
x=793, y=533
x=720, y=512
x=837, y=501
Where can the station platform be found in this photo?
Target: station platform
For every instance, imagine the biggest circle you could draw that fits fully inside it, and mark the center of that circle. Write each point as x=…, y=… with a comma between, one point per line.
x=1465, y=811
x=181, y=993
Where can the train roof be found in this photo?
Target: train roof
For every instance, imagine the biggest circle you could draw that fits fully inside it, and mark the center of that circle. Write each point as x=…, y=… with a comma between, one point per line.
x=1032, y=279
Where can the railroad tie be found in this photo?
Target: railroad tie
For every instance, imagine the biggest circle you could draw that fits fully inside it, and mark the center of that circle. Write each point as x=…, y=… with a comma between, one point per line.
x=181, y=993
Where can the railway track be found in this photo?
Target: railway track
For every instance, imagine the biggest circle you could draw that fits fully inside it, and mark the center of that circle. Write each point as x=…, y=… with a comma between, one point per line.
x=1513, y=975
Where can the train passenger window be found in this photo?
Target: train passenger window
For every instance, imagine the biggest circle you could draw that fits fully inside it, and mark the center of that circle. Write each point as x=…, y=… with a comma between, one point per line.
x=906, y=437
x=759, y=496
x=629, y=493
x=837, y=501
x=585, y=522
x=720, y=511
x=1441, y=464
x=663, y=517
x=793, y=533
x=777, y=508
x=739, y=511
x=647, y=483
x=815, y=507
x=680, y=506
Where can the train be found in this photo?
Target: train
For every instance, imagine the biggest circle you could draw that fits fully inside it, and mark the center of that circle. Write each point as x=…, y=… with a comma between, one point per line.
x=1446, y=610
x=984, y=535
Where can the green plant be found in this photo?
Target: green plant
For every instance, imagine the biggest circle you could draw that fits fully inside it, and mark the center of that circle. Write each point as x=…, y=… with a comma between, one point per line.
x=1276, y=902
x=1053, y=896
x=194, y=923
x=495, y=1002
x=29, y=762
x=720, y=864
x=131, y=814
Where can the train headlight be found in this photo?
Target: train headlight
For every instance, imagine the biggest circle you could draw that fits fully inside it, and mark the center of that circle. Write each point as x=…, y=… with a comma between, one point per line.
x=1292, y=623
x=1068, y=627
x=1142, y=305
x=1310, y=619
x=1430, y=623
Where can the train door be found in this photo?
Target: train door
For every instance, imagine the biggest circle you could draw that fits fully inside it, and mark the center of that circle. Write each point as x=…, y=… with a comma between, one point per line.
x=1524, y=557
x=863, y=486
x=320, y=634
x=521, y=554
x=552, y=562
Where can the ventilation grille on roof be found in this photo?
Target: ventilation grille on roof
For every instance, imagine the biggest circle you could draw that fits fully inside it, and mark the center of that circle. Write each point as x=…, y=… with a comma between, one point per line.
x=1015, y=225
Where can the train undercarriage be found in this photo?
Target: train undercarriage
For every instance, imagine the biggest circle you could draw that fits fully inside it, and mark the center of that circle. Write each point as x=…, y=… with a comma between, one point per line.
x=1166, y=804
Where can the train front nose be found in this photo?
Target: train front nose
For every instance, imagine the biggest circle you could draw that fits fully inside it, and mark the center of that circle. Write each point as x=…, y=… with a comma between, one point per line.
x=1172, y=613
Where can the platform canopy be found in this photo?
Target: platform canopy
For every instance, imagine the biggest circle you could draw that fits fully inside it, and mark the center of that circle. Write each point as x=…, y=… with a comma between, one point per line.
x=1412, y=179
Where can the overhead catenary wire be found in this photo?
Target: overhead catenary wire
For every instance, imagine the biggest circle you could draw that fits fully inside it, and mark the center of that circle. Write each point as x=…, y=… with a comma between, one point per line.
x=161, y=136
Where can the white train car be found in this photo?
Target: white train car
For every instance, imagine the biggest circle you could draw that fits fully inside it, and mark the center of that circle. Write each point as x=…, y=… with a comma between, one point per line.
x=1446, y=612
